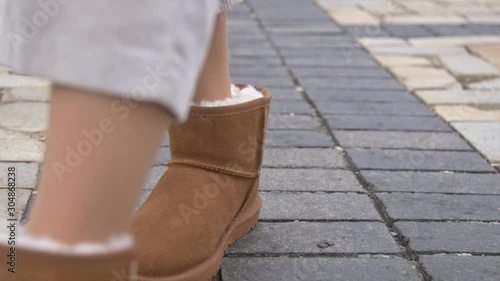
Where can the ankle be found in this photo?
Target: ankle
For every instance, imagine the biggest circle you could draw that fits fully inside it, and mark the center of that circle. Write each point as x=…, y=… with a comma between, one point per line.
x=214, y=92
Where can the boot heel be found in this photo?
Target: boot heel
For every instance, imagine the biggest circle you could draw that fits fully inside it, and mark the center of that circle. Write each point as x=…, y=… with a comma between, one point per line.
x=247, y=221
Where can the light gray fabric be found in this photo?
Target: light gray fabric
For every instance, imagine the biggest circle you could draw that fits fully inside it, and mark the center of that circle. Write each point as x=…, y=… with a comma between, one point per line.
x=148, y=50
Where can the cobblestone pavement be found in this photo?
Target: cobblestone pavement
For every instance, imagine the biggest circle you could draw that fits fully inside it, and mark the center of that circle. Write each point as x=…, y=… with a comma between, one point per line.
x=362, y=180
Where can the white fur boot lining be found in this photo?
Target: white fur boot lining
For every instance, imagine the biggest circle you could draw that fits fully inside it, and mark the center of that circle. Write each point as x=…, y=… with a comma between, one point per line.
x=237, y=96
x=114, y=244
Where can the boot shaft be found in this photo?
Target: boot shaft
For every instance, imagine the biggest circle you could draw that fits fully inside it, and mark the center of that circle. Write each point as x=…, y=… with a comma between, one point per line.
x=30, y=265
x=226, y=138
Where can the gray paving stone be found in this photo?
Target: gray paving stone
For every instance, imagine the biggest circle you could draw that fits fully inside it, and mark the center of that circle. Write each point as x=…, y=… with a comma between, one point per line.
x=491, y=29
x=303, y=237
x=413, y=140
x=285, y=93
x=351, y=83
x=301, y=28
x=278, y=71
x=312, y=73
x=155, y=173
x=450, y=30
x=361, y=96
x=166, y=141
x=355, y=58
x=264, y=81
x=317, y=269
x=297, y=139
x=21, y=149
x=252, y=51
x=271, y=20
x=462, y=268
x=143, y=196
x=290, y=106
x=329, y=53
x=303, y=157
x=366, y=31
x=29, y=206
x=313, y=41
x=387, y=123
x=452, y=237
x=241, y=28
x=418, y=160
x=409, y=109
x=162, y=156
x=21, y=198
x=317, y=206
x=314, y=17
x=484, y=136
x=249, y=34
x=26, y=174
x=407, y=31
x=294, y=11
x=345, y=60
x=442, y=206
x=256, y=61
x=340, y=47
x=295, y=122
x=434, y=182
x=26, y=117
x=309, y=180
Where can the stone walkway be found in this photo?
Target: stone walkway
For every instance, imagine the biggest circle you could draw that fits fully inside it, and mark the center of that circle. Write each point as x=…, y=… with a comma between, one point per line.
x=362, y=179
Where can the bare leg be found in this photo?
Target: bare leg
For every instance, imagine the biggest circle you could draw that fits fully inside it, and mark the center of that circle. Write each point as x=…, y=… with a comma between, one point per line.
x=214, y=82
x=99, y=151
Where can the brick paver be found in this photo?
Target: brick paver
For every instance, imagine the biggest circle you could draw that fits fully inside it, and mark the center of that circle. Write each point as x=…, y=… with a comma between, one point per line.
x=361, y=180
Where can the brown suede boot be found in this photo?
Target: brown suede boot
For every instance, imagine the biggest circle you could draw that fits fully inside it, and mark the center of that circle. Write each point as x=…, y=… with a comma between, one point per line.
x=36, y=265
x=209, y=197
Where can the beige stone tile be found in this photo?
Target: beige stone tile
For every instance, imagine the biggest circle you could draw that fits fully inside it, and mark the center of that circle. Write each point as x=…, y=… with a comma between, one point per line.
x=385, y=9
x=468, y=65
x=419, y=78
x=454, y=41
x=419, y=71
x=392, y=60
x=467, y=113
x=370, y=42
x=487, y=19
x=490, y=52
x=336, y=4
x=470, y=9
x=425, y=19
x=469, y=97
x=4, y=70
x=354, y=17
x=485, y=136
x=21, y=150
x=27, y=94
x=22, y=197
x=24, y=116
x=426, y=7
x=459, y=2
x=417, y=51
x=16, y=81
x=425, y=83
x=487, y=85
x=6, y=134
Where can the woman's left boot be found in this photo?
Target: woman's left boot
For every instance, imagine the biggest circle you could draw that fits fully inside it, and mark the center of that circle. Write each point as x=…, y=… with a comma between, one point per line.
x=208, y=198
x=42, y=262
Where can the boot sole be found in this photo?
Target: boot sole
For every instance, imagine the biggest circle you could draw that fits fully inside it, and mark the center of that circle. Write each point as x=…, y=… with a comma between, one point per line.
x=206, y=270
